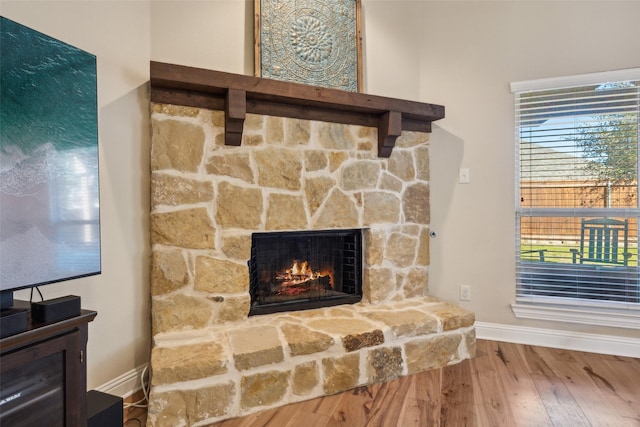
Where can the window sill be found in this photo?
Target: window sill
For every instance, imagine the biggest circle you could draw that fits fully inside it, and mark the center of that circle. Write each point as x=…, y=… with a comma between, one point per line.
x=588, y=315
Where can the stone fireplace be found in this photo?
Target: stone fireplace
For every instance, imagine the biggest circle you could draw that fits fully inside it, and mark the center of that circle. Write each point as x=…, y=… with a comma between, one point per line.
x=211, y=203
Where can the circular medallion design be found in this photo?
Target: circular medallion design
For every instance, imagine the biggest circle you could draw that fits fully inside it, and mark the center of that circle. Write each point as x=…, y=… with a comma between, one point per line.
x=310, y=41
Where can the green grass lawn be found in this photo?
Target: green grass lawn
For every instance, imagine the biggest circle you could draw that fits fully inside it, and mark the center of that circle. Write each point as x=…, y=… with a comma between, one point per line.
x=560, y=253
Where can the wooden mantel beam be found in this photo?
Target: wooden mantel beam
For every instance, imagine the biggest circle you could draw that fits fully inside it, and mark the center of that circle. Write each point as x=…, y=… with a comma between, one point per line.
x=238, y=95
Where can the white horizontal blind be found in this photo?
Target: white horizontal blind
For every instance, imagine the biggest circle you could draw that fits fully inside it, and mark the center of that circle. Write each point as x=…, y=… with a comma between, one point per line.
x=577, y=161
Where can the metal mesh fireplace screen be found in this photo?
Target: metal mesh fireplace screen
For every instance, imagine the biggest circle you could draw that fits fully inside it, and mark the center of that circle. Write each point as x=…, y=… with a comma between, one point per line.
x=305, y=269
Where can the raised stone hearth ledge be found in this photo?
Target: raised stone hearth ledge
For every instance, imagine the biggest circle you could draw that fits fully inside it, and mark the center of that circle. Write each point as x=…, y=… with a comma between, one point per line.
x=234, y=369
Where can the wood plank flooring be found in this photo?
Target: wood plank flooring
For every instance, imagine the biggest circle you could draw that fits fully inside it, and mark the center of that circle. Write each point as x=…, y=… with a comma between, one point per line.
x=504, y=385
x=135, y=416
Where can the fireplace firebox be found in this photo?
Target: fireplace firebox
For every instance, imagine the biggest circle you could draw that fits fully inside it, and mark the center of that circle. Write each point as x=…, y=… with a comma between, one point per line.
x=302, y=270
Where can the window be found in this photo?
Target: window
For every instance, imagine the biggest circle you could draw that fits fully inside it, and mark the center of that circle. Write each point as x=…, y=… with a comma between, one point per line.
x=577, y=198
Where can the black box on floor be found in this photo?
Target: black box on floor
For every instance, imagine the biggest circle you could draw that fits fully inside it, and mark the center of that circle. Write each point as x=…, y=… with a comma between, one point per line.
x=104, y=410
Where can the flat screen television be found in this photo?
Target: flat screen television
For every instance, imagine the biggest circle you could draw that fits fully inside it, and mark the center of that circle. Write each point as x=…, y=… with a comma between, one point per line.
x=49, y=188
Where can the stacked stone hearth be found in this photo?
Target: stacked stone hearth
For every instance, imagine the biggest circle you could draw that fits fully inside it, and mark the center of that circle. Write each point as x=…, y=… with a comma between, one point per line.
x=210, y=360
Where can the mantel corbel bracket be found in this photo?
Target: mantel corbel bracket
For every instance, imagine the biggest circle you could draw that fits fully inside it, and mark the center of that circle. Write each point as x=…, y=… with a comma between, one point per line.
x=389, y=129
x=235, y=110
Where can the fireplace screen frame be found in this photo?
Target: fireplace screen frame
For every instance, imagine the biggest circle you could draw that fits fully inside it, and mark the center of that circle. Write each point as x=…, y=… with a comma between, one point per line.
x=350, y=289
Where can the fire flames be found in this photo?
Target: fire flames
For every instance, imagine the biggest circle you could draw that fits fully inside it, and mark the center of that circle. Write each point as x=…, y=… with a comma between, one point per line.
x=300, y=278
x=302, y=270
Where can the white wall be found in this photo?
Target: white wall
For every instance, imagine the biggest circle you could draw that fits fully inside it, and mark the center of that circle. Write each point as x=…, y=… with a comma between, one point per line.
x=459, y=54
x=118, y=33
x=212, y=34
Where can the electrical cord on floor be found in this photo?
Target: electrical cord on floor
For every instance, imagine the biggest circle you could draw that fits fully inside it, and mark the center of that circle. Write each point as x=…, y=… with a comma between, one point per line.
x=142, y=403
x=136, y=421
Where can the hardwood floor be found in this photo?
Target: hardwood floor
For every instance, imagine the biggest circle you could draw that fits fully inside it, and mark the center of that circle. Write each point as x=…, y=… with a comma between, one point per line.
x=135, y=416
x=504, y=385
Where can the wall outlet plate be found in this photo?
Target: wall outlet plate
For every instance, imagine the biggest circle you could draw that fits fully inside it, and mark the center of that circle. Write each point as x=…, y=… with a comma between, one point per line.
x=465, y=293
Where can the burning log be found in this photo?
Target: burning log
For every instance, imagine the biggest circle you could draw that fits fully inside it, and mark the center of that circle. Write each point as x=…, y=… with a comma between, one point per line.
x=290, y=288
x=300, y=278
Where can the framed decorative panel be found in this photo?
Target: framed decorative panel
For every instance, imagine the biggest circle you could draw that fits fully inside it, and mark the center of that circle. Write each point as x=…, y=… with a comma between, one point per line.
x=315, y=42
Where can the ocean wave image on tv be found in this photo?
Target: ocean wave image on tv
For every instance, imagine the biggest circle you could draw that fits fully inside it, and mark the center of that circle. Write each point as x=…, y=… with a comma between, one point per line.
x=49, y=187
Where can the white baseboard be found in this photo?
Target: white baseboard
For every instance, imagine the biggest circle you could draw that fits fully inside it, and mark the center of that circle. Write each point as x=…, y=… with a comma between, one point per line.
x=579, y=341
x=126, y=384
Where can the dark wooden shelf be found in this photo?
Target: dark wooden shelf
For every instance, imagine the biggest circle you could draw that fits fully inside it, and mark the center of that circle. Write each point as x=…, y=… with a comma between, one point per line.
x=40, y=330
x=238, y=95
x=44, y=370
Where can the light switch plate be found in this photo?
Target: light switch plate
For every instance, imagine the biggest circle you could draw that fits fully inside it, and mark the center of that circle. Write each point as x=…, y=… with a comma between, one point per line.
x=463, y=176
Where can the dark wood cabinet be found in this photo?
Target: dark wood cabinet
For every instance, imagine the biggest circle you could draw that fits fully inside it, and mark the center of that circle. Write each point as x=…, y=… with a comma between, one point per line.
x=43, y=375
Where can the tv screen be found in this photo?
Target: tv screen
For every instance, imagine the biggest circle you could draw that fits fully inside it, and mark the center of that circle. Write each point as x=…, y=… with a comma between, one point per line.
x=49, y=189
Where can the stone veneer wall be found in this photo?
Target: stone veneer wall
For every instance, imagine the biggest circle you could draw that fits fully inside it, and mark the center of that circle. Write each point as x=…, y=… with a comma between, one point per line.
x=210, y=361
